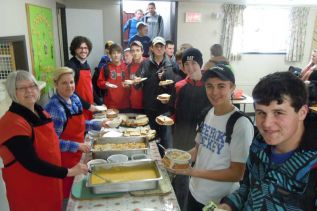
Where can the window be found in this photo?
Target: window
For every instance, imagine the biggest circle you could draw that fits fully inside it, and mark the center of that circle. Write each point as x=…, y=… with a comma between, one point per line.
x=265, y=29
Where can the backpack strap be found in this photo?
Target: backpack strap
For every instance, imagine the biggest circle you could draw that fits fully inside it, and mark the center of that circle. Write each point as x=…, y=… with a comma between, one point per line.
x=232, y=121
x=201, y=118
x=159, y=22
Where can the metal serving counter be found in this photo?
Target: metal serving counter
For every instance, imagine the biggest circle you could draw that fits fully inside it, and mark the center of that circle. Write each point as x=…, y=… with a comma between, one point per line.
x=151, y=201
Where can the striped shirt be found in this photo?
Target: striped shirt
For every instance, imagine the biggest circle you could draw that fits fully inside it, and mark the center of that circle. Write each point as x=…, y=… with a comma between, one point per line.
x=56, y=110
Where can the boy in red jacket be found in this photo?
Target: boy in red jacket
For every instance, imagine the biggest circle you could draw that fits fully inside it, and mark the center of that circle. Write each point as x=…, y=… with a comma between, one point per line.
x=136, y=95
x=111, y=78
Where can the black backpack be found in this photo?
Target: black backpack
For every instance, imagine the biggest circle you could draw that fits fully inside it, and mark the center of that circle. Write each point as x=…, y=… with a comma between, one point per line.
x=99, y=93
x=230, y=123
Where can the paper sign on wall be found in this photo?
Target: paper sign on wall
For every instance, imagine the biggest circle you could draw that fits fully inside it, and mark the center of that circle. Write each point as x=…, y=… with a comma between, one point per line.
x=192, y=17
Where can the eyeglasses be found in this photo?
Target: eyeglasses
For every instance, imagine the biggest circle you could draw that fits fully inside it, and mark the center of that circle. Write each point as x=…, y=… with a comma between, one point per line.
x=25, y=88
x=83, y=48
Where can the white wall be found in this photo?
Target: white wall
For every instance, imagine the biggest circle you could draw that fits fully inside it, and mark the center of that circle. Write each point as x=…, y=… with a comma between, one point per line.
x=75, y=19
x=14, y=21
x=251, y=67
x=111, y=16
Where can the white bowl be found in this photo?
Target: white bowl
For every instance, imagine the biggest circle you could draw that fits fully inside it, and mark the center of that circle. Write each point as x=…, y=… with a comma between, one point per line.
x=95, y=161
x=117, y=158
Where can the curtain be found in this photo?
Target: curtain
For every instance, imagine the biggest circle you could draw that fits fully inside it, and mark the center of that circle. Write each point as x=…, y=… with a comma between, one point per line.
x=297, y=33
x=232, y=33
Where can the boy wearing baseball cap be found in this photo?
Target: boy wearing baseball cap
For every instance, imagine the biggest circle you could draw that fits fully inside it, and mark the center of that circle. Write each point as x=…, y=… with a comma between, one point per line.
x=157, y=68
x=142, y=37
x=191, y=99
x=219, y=165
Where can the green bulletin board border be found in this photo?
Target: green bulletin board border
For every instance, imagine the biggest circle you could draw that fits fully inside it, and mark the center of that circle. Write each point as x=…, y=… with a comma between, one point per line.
x=41, y=36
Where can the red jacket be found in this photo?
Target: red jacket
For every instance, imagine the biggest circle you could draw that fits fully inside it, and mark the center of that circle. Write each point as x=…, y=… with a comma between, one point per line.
x=115, y=97
x=136, y=95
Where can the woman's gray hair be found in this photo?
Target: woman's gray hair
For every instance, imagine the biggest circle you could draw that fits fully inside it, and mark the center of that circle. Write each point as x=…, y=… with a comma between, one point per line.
x=14, y=77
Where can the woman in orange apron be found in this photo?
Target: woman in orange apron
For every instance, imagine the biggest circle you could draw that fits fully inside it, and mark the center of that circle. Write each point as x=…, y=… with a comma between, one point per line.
x=30, y=150
x=69, y=122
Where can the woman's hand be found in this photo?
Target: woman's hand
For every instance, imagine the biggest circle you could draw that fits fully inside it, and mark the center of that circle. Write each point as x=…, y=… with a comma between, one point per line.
x=93, y=108
x=105, y=123
x=79, y=168
x=84, y=147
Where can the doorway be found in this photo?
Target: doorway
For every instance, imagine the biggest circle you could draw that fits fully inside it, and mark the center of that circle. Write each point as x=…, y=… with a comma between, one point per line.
x=167, y=9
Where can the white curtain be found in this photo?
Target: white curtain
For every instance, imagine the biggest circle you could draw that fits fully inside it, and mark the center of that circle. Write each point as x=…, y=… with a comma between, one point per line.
x=297, y=33
x=232, y=31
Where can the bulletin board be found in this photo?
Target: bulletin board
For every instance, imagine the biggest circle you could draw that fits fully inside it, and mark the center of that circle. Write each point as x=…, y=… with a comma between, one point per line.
x=41, y=35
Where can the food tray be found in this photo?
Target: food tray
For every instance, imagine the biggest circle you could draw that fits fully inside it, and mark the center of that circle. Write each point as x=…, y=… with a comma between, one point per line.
x=104, y=154
x=141, y=181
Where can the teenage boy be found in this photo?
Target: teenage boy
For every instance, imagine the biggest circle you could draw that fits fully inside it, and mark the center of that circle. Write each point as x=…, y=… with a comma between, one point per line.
x=281, y=169
x=169, y=50
x=132, y=22
x=154, y=21
x=216, y=53
x=111, y=77
x=136, y=95
x=219, y=165
x=142, y=37
x=191, y=99
x=80, y=48
x=127, y=56
x=157, y=68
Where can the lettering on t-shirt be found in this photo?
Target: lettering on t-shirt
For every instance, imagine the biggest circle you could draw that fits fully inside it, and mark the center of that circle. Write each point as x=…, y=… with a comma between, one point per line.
x=114, y=74
x=212, y=139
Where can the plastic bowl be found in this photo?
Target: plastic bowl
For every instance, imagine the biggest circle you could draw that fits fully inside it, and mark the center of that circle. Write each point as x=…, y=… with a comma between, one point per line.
x=117, y=158
x=138, y=156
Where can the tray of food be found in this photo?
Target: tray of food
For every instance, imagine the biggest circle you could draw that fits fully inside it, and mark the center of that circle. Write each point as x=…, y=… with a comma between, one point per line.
x=133, y=120
x=123, y=177
x=104, y=147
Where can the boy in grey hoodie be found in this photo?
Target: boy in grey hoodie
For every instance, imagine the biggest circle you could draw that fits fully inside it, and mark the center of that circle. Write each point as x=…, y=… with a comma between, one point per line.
x=154, y=22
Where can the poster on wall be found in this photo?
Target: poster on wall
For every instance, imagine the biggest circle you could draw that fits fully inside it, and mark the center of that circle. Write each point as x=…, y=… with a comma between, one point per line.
x=41, y=35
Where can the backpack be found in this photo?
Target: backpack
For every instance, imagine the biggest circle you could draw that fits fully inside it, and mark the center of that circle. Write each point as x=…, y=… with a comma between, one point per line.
x=230, y=123
x=99, y=93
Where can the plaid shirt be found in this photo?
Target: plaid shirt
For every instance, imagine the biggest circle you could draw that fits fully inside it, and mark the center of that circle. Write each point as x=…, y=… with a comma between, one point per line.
x=56, y=110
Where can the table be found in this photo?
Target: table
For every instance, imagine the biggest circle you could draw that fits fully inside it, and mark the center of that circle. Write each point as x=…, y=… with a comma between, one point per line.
x=128, y=202
x=248, y=100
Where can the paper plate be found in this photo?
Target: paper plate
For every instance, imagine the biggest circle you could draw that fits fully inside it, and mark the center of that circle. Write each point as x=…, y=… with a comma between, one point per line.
x=164, y=83
x=165, y=123
x=101, y=108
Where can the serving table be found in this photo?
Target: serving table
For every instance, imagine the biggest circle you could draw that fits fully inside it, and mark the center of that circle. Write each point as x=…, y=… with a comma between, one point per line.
x=127, y=201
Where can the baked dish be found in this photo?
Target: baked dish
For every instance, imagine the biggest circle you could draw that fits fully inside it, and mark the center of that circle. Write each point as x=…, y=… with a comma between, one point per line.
x=134, y=121
x=119, y=146
x=140, y=131
x=112, y=113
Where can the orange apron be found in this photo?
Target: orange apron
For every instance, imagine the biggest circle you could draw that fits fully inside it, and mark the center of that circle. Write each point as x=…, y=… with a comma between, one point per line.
x=74, y=130
x=84, y=90
x=26, y=190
